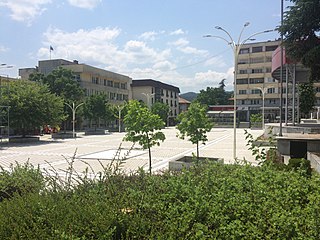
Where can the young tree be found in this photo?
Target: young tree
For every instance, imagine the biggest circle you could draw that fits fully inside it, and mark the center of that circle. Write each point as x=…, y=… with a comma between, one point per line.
x=194, y=124
x=32, y=106
x=142, y=126
x=161, y=109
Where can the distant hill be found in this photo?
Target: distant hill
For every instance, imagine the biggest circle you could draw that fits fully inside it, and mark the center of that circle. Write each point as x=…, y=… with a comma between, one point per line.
x=190, y=96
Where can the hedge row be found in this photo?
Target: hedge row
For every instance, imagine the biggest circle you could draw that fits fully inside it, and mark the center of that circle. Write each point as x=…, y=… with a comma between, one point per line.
x=209, y=201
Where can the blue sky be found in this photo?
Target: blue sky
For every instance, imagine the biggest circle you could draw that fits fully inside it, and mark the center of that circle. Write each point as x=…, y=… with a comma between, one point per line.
x=155, y=39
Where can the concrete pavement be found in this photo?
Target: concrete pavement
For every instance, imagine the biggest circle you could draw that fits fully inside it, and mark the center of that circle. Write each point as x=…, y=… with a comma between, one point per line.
x=94, y=151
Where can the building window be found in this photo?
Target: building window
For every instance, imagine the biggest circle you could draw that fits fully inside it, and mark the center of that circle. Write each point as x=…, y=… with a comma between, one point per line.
x=244, y=51
x=268, y=70
x=242, y=92
x=243, y=102
x=110, y=83
x=95, y=80
x=255, y=101
x=256, y=70
x=104, y=82
x=116, y=85
x=243, y=61
x=256, y=80
x=243, y=71
x=255, y=91
x=242, y=81
x=271, y=48
x=270, y=80
x=256, y=60
x=125, y=97
x=256, y=49
x=123, y=86
x=271, y=90
x=272, y=101
x=167, y=93
x=77, y=77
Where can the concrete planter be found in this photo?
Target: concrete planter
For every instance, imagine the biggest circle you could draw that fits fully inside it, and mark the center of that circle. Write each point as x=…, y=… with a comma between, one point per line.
x=24, y=139
x=188, y=161
x=62, y=135
x=97, y=131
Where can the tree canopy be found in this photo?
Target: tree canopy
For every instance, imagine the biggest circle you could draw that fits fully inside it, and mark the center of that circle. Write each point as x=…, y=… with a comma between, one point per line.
x=194, y=124
x=32, y=105
x=214, y=95
x=62, y=82
x=161, y=109
x=97, y=108
x=300, y=29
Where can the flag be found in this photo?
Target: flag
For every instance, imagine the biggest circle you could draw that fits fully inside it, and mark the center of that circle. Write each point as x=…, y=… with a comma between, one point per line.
x=51, y=48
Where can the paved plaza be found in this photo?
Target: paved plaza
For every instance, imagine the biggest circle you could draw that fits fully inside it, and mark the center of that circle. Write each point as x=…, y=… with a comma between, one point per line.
x=97, y=150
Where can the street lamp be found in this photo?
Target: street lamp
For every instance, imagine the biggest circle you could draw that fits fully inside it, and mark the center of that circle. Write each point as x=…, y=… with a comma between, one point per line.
x=148, y=95
x=236, y=46
x=119, y=107
x=73, y=109
x=263, y=91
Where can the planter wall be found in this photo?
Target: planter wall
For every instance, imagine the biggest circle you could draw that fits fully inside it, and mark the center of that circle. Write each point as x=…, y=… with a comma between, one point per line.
x=188, y=161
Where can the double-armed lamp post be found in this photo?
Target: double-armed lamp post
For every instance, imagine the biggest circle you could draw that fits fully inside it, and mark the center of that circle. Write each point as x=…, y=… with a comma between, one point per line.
x=73, y=109
x=236, y=47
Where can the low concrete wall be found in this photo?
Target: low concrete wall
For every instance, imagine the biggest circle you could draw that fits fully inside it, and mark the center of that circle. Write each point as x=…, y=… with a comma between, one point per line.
x=62, y=135
x=314, y=160
x=96, y=132
x=24, y=139
x=188, y=161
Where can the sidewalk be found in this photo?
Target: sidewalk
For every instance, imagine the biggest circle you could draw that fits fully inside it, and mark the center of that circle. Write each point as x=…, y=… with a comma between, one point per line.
x=94, y=151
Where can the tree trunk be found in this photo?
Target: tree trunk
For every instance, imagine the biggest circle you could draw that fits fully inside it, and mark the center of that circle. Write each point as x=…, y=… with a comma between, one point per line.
x=198, y=150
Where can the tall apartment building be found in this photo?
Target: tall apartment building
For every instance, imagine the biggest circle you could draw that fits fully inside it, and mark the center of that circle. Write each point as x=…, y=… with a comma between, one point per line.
x=257, y=81
x=151, y=91
x=254, y=80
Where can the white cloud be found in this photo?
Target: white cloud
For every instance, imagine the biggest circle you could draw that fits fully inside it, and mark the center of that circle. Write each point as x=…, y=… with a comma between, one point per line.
x=3, y=49
x=135, y=58
x=98, y=46
x=212, y=79
x=149, y=35
x=215, y=62
x=177, y=32
x=182, y=45
x=181, y=42
x=88, y=4
x=25, y=10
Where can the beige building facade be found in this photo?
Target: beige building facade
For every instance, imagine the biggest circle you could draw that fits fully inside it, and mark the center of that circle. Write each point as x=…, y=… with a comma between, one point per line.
x=150, y=91
x=94, y=80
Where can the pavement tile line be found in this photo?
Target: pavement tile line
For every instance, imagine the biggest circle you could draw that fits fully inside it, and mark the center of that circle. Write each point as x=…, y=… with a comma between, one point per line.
x=57, y=153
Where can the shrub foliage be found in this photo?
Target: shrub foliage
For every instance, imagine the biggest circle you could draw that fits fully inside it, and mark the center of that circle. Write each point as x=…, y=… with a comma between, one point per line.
x=209, y=201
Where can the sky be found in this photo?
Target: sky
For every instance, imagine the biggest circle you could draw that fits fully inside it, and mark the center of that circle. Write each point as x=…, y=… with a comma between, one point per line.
x=143, y=39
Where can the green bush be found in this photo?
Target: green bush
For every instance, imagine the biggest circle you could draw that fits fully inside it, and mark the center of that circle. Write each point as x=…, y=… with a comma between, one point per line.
x=300, y=164
x=208, y=201
x=20, y=179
